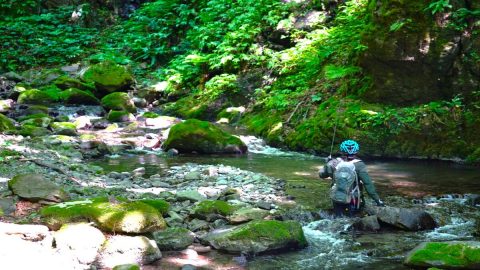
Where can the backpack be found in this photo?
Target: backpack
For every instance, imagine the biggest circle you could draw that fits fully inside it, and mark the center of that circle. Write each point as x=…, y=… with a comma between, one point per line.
x=346, y=188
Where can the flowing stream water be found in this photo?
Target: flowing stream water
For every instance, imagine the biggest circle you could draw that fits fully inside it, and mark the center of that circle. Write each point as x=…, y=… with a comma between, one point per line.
x=331, y=244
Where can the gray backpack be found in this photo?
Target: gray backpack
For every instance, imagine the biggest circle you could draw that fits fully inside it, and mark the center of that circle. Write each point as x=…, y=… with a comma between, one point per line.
x=345, y=187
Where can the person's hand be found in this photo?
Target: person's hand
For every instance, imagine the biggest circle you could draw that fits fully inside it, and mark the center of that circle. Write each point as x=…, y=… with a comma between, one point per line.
x=380, y=203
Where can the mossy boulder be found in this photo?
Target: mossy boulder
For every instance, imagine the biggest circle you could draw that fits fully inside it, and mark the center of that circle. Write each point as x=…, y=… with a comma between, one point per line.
x=445, y=255
x=119, y=101
x=38, y=122
x=34, y=96
x=126, y=267
x=65, y=82
x=161, y=205
x=77, y=96
x=6, y=124
x=33, y=131
x=203, y=137
x=173, y=238
x=120, y=116
x=108, y=77
x=257, y=237
x=36, y=109
x=64, y=128
x=208, y=207
x=124, y=217
x=34, y=187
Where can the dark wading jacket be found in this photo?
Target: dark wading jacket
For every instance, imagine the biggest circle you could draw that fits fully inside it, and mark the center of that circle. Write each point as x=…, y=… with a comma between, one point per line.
x=361, y=169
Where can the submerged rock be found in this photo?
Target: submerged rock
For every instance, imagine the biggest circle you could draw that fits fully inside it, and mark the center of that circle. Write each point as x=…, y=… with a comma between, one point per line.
x=202, y=137
x=446, y=255
x=257, y=237
x=34, y=187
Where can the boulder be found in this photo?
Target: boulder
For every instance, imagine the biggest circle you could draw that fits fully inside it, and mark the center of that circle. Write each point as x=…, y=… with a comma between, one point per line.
x=403, y=218
x=257, y=237
x=205, y=208
x=64, y=128
x=34, y=187
x=202, y=137
x=190, y=195
x=6, y=124
x=33, y=131
x=6, y=105
x=65, y=82
x=173, y=238
x=7, y=206
x=128, y=250
x=37, y=122
x=108, y=77
x=368, y=223
x=77, y=96
x=120, y=116
x=70, y=240
x=34, y=96
x=119, y=101
x=445, y=255
x=126, y=217
x=246, y=214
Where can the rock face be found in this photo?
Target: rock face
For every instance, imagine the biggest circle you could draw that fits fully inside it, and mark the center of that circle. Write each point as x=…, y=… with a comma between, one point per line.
x=34, y=187
x=416, y=57
x=128, y=250
x=202, y=137
x=173, y=238
x=108, y=77
x=402, y=218
x=257, y=237
x=445, y=255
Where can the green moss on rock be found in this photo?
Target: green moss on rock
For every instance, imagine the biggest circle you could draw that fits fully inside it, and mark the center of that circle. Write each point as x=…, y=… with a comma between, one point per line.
x=65, y=82
x=64, y=128
x=36, y=109
x=34, y=96
x=119, y=101
x=125, y=217
x=213, y=207
x=150, y=115
x=33, y=131
x=120, y=116
x=6, y=124
x=38, y=122
x=458, y=255
x=203, y=137
x=108, y=77
x=77, y=96
x=161, y=205
x=258, y=236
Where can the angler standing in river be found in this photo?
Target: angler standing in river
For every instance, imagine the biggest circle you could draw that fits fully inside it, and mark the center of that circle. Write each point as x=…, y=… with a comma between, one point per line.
x=349, y=175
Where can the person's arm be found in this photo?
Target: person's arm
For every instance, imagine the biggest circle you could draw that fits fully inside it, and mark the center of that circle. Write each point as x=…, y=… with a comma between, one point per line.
x=328, y=169
x=363, y=176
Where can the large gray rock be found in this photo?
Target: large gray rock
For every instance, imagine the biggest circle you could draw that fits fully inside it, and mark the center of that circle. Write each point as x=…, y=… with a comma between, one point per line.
x=173, y=238
x=257, y=237
x=368, y=223
x=445, y=255
x=79, y=241
x=34, y=187
x=128, y=250
x=403, y=218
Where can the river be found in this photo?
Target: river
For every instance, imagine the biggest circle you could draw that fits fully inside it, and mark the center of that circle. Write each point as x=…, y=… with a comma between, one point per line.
x=331, y=244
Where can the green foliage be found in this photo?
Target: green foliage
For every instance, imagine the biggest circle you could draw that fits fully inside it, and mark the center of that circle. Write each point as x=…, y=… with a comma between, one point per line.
x=43, y=40
x=223, y=84
x=399, y=24
x=437, y=6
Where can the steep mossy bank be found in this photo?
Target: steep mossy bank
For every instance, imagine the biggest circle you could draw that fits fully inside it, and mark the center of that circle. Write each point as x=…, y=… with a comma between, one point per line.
x=400, y=77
